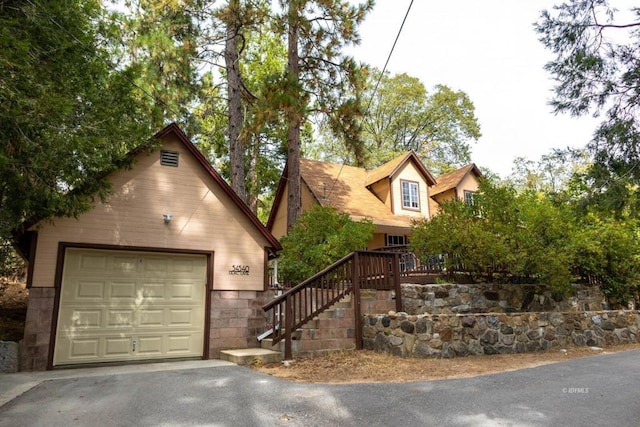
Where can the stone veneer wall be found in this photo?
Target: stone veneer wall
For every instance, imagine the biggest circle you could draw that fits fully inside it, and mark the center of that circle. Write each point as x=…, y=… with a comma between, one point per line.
x=451, y=335
x=496, y=298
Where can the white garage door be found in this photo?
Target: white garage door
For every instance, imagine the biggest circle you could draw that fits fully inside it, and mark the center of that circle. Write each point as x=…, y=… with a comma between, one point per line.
x=126, y=306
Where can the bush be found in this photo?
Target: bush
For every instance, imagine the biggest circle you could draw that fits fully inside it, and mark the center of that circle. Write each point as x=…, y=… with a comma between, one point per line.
x=319, y=238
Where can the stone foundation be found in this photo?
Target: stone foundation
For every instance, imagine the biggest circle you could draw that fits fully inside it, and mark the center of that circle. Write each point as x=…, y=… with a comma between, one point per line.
x=451, y=335
x=37, y=329
x=496, y=298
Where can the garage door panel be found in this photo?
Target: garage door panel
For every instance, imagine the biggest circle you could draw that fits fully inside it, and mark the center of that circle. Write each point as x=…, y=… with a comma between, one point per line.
x=122, y=289
x=144, y=306
x=87, y=348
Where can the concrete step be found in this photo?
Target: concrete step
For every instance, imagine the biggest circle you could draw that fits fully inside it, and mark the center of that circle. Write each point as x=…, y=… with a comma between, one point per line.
x=248, y=356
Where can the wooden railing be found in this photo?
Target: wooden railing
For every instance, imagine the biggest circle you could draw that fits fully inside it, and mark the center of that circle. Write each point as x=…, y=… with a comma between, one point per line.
x=356, y=271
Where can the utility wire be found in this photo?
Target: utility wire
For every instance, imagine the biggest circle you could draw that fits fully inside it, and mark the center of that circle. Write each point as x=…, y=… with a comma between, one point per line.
x=375, y=89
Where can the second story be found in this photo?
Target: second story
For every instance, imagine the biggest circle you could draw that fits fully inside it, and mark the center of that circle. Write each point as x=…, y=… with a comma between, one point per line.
x=392, y=195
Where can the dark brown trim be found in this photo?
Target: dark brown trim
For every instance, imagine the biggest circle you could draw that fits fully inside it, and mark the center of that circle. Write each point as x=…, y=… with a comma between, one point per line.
x=57, y=285
x=33, y=245
x=265, y=279
x=62, y=250
x=207, y=305
x=402, y=206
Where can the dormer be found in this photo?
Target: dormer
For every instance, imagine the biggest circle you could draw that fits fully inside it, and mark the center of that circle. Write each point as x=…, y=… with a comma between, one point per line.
x=403, y=184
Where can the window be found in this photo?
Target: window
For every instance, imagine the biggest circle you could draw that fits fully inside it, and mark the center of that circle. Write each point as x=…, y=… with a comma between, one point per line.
x=468, y=197
x=169, y=158
x=410, y=195
x=396, y=240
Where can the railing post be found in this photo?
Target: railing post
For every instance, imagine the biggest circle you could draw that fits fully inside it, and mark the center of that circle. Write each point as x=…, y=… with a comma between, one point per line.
x=396, y=281
x=355, y=279
x=288, y=320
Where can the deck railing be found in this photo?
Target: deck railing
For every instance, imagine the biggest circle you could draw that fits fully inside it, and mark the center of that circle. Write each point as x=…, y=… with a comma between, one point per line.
x=356, y=271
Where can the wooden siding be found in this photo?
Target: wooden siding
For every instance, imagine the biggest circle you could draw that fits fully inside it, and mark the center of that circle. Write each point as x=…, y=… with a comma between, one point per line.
x=382, y=192
x=203, y=219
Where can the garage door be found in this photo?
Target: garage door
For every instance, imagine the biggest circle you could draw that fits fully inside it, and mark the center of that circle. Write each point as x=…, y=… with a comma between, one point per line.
x=125, y=306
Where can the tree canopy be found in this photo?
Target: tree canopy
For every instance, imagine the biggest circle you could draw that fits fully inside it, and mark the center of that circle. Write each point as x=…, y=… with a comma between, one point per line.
x=67, y=114
x=528, y=236
x=597, y=70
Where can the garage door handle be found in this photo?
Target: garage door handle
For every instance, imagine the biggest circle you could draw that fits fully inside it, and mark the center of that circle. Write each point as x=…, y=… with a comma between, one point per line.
x=134, y=345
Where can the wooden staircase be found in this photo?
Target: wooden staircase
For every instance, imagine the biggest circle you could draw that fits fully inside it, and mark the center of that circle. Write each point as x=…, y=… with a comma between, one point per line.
x=324, y=313
x=334, y=329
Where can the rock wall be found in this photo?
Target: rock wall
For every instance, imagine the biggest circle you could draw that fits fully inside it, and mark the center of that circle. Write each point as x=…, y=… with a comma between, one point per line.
x=451, y=335
x=495, y=298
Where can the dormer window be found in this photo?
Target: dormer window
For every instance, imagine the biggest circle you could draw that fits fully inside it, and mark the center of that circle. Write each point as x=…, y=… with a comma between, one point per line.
x=410, y=195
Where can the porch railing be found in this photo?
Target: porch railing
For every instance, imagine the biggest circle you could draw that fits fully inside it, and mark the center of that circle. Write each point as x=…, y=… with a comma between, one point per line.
x=356, y=271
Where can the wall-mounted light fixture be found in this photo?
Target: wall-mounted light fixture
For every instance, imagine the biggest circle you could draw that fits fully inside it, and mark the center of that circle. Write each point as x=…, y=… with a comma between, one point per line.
x=167, y=218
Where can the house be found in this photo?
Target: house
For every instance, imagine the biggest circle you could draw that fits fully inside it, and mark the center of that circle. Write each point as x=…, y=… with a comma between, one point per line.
x=392, y=195
x=172, y=265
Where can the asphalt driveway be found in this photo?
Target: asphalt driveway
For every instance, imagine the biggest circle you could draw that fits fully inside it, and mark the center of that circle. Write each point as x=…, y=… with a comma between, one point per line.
x=599, y=390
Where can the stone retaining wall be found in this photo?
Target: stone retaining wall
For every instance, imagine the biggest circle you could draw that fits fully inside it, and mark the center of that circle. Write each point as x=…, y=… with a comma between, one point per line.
x=496, y=298
x=451, y=335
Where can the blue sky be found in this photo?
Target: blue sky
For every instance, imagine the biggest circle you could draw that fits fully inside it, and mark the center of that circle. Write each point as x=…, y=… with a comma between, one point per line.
x=489, y=50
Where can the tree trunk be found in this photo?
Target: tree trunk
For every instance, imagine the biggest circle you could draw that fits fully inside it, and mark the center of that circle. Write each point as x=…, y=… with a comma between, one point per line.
x=252, y=193
x=293, y=119
x=236, y=115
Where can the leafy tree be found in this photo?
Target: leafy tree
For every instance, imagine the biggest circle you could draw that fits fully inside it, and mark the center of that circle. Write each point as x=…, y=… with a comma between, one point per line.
x=319, y=238
x=597, y=69
x=67, y=115
x=402, y=115
x=552, y=173
x=528, y=236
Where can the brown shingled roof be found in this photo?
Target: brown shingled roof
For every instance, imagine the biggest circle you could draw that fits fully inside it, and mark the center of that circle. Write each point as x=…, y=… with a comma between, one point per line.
x=451, y=180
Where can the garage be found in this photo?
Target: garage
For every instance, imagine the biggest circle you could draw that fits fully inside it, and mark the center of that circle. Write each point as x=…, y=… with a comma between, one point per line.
x=123, y=305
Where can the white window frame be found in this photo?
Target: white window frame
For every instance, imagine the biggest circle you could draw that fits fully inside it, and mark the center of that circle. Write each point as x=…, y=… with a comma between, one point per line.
x=468, y=197
x=410, y=197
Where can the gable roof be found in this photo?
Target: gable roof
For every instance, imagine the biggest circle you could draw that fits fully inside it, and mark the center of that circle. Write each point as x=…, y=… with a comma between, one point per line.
x=389, y=169
x=346, y=188
x=21, y=237
x=453, y=179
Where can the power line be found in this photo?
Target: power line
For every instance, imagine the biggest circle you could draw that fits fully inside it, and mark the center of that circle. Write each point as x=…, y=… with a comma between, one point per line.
x=375, y=89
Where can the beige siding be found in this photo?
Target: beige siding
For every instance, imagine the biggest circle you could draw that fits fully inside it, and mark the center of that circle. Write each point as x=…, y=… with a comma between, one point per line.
x=410, y=173
x=204, y=218
x=382, y=192
x=469, y=183
x=279, y=226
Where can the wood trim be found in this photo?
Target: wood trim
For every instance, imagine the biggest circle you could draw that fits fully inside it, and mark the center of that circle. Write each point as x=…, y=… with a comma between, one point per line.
x=57, y=285
x=33, y=245
x=62, y=249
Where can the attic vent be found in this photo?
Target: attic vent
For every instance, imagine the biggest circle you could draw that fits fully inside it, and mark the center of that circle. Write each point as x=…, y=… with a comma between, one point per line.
x=169, y=158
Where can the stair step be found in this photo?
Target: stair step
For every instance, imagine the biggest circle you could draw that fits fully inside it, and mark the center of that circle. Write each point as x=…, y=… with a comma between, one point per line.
x=247, y=356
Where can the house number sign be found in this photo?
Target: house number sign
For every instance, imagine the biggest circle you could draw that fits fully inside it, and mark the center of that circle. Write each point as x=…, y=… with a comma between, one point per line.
x=239, y=270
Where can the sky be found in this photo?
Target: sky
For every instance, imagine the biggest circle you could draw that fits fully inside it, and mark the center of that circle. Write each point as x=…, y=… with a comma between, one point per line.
x=489, y=50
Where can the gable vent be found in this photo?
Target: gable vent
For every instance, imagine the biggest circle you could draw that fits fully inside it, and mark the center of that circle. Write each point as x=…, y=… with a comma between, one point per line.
x=169, y=158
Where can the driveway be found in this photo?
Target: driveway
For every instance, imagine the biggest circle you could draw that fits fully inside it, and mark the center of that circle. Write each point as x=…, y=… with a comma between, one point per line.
x=599, y=390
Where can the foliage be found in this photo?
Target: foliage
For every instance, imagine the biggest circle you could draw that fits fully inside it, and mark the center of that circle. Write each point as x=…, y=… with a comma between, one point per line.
x=597, y=69
x=320, y=237
x=67, y=115
x=402, y=115
x=531, y=236
x=552, y=173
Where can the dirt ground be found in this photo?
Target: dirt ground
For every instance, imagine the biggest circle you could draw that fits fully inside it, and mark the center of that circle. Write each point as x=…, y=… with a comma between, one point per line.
x=367, y=366
x=13, y=310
